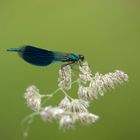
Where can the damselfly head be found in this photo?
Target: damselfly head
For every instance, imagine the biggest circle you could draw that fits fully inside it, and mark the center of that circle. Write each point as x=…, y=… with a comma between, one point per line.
x=81, y=57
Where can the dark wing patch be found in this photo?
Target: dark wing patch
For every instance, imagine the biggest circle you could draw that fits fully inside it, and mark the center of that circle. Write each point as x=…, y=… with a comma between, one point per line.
x=36, y=56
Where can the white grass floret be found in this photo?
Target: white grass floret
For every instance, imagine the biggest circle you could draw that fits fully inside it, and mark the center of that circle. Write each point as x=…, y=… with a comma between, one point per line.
x=87, y=118
x=78, y=105
x=85, y=74
x=64, y=80
x=50, y=113
x=33, y=98
x=66, y=122
x=65, y=103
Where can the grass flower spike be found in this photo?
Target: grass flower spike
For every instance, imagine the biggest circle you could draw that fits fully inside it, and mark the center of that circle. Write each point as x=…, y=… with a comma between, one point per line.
x=71, y=112
x=85, y=74
x=64, y=80
x=33, y=98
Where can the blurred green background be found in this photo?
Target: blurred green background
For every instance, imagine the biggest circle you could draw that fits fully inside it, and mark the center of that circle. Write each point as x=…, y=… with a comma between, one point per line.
x=106, y=32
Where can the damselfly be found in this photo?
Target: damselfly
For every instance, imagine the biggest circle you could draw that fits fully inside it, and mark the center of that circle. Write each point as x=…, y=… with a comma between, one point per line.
x=42, y=57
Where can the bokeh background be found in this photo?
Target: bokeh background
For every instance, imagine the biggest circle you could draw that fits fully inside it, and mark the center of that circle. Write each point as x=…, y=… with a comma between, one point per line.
x=107, y=32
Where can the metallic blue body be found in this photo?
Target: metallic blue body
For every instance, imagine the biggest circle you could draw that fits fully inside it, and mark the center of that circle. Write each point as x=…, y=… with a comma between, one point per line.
x=73, y=56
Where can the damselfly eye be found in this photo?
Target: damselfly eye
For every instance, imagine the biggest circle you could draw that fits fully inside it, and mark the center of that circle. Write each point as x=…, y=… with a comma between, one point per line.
x=81, y=57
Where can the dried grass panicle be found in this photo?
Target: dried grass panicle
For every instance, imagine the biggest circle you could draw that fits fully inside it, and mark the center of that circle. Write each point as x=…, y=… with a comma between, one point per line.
x=71, y=111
